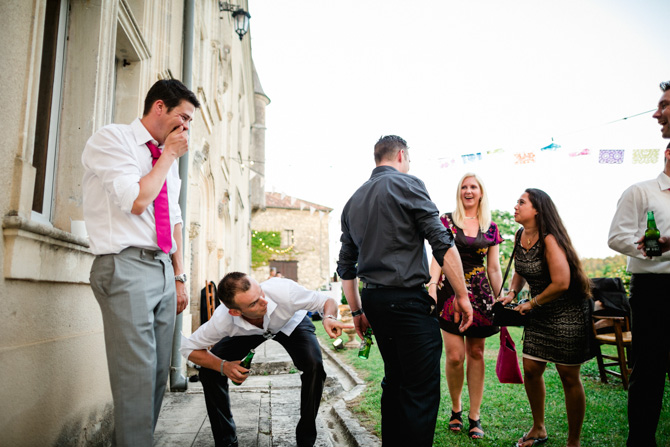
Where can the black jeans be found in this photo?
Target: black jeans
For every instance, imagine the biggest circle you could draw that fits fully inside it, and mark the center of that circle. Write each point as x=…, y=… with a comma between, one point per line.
x=650, y=302
x=305, y=352
x=408, y=336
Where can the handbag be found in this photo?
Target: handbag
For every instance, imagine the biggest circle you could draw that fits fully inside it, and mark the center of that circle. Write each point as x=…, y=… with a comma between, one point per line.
x=507, y=315
x=507, y=366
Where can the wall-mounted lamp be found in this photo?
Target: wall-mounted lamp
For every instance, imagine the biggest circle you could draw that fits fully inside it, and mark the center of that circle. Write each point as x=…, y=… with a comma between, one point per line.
x=240, y=16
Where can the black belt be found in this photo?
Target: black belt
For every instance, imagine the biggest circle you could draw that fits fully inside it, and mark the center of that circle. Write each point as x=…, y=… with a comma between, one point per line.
x=379, y=286
x=374, y=286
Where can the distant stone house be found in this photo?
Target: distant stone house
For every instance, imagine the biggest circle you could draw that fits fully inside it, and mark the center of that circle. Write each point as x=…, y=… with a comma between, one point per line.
x=302, y=227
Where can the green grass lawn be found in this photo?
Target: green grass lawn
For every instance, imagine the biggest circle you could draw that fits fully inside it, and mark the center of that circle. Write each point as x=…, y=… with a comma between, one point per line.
x=505, y=412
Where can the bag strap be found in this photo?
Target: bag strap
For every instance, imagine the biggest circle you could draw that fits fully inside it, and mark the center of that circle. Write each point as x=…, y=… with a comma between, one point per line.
x=509, y=264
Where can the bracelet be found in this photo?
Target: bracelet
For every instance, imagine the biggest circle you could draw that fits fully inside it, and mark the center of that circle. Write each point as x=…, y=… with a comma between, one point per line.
x=534, y=303
x=355, y=313
x=221, y=368
x=430, y=284
x=332, y=317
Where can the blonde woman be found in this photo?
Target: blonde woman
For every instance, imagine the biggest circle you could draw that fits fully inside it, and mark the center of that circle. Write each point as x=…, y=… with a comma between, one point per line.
x=477, y=239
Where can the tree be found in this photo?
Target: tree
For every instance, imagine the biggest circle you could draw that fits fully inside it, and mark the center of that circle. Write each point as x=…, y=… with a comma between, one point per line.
x=507, y=227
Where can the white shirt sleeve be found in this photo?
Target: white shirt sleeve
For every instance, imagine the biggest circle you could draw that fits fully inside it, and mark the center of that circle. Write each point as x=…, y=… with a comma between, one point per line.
x=108, y=157
x=209, y=333
x=628, y=224
x=304, y=299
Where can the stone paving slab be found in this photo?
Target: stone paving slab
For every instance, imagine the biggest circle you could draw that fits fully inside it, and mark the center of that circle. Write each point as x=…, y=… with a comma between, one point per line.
x=266, y=407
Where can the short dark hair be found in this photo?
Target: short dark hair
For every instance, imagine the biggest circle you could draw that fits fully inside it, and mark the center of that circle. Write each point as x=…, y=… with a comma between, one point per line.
x=665, y=86
x=388, y=146
x=232, y=284
x=172, y=92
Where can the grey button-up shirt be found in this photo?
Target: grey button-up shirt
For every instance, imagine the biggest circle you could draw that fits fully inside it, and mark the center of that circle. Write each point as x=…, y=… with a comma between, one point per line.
x=384, y=226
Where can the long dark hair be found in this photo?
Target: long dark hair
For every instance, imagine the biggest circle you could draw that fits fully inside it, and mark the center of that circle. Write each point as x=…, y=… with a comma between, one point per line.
x=549, y=222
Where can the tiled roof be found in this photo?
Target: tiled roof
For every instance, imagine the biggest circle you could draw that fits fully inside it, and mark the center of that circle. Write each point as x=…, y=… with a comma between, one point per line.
x=274, y=200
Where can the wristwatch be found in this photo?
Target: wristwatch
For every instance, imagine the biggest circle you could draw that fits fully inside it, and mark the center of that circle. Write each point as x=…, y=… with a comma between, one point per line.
x=180, y=278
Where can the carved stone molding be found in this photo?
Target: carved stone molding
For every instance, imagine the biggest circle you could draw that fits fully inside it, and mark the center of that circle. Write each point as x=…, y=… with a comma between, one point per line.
x=194, y=230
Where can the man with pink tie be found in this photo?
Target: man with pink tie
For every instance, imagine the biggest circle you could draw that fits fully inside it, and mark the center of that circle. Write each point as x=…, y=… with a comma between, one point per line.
x=131, y=191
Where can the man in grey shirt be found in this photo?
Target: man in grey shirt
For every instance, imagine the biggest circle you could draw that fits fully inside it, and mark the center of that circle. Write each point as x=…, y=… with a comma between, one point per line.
x=384, y=226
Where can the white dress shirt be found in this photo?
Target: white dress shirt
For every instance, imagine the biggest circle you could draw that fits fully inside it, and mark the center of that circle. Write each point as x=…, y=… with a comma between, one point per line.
x=115, y=158
x=630, y=222
x=288, y=303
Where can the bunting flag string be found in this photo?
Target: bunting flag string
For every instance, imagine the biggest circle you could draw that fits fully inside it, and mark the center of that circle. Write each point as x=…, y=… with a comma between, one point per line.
x=605, y=156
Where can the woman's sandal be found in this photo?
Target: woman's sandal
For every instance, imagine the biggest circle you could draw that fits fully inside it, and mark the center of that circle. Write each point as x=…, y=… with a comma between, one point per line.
x=456, y=416
x=475, y=425
x=525, y=438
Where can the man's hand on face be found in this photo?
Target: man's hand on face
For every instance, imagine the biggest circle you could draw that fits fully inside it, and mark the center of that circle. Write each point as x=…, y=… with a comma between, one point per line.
x=176, y=143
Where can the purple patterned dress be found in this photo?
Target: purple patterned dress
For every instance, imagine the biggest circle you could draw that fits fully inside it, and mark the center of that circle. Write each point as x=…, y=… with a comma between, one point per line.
x=473, y=251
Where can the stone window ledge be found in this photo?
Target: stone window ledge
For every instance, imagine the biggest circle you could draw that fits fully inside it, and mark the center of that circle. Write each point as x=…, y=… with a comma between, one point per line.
x=38, y=252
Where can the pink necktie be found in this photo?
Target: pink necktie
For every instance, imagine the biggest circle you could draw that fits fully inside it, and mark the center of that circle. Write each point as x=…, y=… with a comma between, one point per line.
x=161, y=208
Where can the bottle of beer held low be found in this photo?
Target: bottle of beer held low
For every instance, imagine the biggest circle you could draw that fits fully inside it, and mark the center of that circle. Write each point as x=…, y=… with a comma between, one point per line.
x=651, y=236
x=364, y=351
x=245, y=363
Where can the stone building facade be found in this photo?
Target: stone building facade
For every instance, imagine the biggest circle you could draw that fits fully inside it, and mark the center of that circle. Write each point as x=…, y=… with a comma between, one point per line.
x=71, y=67
x=304, y=239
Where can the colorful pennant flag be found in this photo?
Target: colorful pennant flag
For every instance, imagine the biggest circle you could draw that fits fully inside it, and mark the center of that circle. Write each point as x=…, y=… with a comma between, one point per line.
x=579, y=154
x=524, y=158
x=445, y=163
x=471, y=158
x=611, y=156
x=551, y=147
x=645, y=156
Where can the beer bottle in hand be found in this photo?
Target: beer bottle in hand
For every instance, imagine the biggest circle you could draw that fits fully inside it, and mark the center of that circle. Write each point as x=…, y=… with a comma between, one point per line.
x=651, y=246
x=364, y=351
x=246, y=363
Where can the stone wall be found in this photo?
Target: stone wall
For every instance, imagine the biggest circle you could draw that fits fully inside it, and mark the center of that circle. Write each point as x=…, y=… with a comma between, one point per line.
x=310, y=231
x=52, y=355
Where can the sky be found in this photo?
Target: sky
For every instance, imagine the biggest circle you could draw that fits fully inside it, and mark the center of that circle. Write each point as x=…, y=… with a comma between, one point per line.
x=464, y=77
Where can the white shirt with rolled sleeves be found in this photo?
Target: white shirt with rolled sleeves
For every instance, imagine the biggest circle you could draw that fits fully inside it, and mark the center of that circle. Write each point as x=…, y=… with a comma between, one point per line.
x=115, y=158
x=630, y=222
x=288, y=303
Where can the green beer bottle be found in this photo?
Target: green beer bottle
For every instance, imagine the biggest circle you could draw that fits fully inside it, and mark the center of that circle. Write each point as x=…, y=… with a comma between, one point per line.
x=651, y=236
x=364, y=351
x=246, y=363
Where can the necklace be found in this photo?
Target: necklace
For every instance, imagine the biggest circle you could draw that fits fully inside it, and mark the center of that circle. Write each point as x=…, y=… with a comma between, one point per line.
x=529, y=238
x=471, y=217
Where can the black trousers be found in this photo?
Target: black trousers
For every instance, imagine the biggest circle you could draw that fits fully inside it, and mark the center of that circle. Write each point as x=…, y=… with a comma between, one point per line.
x=650, y=302
x=305, y=352
x=408, y=336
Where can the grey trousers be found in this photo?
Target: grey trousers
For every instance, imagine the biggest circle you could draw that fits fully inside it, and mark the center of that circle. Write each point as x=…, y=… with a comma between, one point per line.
x=136, y=293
